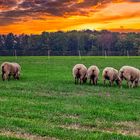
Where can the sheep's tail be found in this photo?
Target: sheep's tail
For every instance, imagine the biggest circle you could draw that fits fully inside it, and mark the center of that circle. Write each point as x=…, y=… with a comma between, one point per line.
x=106, y=72
x=93, y=71
x=78, y=71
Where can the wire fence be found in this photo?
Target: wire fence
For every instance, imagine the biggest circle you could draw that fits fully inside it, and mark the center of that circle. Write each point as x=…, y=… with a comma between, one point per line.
x=68, y=53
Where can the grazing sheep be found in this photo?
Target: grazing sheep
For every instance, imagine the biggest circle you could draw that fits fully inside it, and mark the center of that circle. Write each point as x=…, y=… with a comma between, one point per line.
x=92, y=74
x=112, y=75
x=131, y=75
x=79, y=73
x=10, y=69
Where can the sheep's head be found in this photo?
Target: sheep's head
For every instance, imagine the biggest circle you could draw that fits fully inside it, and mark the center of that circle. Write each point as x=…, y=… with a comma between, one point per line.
x=121, y=75
x=137, y=82
x=84, y=79
x=119, y=81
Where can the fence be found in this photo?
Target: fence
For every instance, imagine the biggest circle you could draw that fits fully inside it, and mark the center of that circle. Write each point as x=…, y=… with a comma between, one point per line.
x=67, y=53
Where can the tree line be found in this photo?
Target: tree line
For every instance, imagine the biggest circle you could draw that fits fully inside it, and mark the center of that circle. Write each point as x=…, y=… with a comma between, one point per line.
x=73, y=41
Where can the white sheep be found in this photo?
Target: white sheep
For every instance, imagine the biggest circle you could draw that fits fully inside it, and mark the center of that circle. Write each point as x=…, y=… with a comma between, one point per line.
x=131, y=75
x=92, y=74
x=79, y=73
x=112, y=75
x=10, y=69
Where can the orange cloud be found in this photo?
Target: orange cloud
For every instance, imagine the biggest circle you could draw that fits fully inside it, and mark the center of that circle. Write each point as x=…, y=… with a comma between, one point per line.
x=34, y=16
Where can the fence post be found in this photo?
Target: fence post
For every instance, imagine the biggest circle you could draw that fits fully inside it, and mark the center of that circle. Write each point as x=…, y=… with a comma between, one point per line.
x=105, y=54
x=127, y=54
x=79, y=54
x=15, y=54
x=48, y=54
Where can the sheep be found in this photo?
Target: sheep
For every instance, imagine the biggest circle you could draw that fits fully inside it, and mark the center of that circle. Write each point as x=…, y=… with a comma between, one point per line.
x=112, y=75
x=79, y=73
x=131, y=75
x=9, y=69
x=92, y=74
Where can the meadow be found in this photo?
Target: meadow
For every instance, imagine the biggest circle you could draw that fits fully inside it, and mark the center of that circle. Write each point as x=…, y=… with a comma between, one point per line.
x=46, y=104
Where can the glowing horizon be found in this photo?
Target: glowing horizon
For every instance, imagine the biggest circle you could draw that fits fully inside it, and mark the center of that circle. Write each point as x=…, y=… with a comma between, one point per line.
x=36, y=16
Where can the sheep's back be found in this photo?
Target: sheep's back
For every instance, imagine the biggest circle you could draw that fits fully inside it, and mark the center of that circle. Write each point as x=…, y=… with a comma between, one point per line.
x=79, y=67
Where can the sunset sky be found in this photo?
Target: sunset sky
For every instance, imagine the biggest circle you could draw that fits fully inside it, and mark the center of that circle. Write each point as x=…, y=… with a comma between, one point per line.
x=35, y=16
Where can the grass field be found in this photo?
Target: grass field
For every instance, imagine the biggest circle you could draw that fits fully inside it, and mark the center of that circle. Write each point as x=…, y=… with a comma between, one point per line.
x=46, y=104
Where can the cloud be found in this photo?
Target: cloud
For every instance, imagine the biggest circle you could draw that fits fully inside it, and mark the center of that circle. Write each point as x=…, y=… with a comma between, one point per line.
x=15, y=10
x=134, y=0
x=71, y=12
x=7, y=4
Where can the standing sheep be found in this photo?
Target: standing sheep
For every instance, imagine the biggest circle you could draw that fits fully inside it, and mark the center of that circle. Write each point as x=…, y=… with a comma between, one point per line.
x=131, y=75
x=112, y=75
x=92, y=74
x=79, y=73
x=10, y=69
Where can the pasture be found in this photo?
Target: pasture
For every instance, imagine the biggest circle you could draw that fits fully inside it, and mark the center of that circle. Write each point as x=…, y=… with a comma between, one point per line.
x=46, y=104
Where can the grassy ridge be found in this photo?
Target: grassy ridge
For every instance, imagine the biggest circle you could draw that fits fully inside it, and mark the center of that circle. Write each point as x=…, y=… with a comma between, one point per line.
x=46, y=102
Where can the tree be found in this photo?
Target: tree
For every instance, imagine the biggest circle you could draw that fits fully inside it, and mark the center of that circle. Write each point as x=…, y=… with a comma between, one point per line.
x=9, y=42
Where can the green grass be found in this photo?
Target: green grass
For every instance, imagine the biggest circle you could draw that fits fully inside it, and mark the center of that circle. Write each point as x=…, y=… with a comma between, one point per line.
x=8, y=138
x=45, y=102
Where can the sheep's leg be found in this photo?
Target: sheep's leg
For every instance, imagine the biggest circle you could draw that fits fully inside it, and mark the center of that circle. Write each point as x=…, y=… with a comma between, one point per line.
x=133, y=84
x=18, y=75
x=3, y=76
x=76, y=80
x=111, y=82
x=136, y=83
x=9, y=75
x=14, y=76
x=17, y=78
x=90, y=81
x=80, y=81
x=95, y=81
x=6, y=76
x=129, y=84
x=104, y=81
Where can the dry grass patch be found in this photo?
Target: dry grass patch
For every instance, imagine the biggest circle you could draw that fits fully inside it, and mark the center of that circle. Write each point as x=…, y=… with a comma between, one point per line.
x=25, y=136
x=124, y=128
x=69, y=116
x=129, y=128
x=77, y=126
